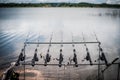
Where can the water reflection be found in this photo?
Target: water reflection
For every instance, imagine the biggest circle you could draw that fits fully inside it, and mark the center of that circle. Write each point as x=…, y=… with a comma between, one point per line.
x=107, y=12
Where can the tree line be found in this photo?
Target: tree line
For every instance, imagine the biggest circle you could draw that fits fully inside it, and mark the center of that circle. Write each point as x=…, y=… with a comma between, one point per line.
x=59, y=5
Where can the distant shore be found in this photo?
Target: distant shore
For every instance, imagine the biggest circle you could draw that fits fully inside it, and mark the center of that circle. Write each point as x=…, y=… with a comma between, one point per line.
x=4, y=5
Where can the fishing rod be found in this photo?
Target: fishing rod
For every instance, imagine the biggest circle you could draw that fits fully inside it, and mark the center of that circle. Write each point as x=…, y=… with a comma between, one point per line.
x=99, y=58
x=88, y=58
x=102, y=56
x=48, y=56
x=61, y=55
x=22, y=55
x=35, y=57
x=75, y=55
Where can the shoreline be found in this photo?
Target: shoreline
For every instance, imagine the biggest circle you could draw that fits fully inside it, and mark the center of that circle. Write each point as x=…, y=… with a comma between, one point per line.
x=61, y=5
x=31, y=74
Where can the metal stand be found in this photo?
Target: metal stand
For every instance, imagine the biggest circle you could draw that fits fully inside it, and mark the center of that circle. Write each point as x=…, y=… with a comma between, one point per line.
x=24, y=60
x=99, y=64
x=118, y=72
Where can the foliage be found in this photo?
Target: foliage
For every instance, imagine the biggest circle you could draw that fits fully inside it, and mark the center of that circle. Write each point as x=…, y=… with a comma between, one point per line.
x=59, y=5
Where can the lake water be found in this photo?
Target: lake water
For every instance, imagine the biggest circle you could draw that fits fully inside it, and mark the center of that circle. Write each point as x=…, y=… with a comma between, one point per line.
x=17, y=23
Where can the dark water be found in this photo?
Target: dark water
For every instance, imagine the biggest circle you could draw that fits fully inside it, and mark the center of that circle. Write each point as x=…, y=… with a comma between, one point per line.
x=16, y=23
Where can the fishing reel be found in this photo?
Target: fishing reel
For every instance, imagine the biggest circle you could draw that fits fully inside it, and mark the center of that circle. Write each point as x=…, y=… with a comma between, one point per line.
x=103, y=57
x=33, y=62
x=20, y=58
x=10, y=74
x=60, y=58
x=47, y=59
x=75, y=58
x=35, y=58
x=35, y=55
x=88, y=58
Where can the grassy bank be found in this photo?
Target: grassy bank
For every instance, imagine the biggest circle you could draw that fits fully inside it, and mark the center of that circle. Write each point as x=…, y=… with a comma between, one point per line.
x=59, y=5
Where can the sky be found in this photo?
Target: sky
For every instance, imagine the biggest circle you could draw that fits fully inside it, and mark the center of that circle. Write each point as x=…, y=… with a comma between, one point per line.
x=71, y=1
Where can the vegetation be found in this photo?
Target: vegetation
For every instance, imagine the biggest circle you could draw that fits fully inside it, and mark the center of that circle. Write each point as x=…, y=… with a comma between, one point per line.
x=59, y=5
